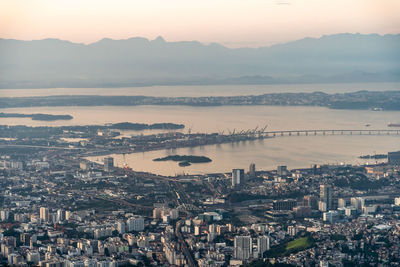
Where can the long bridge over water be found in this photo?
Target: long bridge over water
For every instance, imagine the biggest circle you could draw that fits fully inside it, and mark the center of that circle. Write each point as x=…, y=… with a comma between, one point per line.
x=329, y=132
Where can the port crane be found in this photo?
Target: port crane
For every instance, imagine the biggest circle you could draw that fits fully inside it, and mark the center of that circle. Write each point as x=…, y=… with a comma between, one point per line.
x=256, y=132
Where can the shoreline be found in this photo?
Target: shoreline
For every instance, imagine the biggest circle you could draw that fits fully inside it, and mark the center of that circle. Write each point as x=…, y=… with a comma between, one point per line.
x=224, y=173
x=360, y=100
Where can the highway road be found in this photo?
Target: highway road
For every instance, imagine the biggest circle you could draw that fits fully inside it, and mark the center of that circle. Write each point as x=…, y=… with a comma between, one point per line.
x=185, y=249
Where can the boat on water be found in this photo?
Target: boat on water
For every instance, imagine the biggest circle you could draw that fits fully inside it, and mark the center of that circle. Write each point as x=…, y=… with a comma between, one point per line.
x=394, y=125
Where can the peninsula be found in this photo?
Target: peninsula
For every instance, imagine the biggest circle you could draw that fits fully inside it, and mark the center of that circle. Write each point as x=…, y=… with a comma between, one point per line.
x=361, y=100
x=37, y=116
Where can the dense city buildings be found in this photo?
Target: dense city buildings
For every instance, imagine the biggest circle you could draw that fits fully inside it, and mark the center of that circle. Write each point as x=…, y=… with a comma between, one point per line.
x=267, y=146
x=59, y=209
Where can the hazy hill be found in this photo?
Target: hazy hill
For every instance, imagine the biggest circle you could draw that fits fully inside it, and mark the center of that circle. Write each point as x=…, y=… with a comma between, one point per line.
x=139, y=61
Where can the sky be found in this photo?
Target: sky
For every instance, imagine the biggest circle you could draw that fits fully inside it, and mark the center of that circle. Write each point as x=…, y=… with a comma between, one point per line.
x=234, y=23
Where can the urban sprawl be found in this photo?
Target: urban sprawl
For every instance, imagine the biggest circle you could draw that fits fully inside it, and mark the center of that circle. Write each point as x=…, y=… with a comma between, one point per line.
x=59, y=209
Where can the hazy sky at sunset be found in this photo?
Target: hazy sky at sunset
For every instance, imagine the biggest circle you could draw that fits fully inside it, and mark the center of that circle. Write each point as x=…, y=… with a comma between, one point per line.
x=230, y=22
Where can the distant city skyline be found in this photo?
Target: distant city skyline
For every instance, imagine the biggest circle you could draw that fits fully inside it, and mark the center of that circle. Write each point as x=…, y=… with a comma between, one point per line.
x=233, y=23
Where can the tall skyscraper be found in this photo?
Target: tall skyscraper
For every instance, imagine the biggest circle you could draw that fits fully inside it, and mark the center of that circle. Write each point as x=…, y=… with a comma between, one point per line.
x=326, y=195
x=262, y=245
x=44, y=214
x=60, y=215
x=252, y=170
x=311, y=201
x=135, y=223
x=243, y=247
x=121, y=227
x=357, y=202
x=282, y=170
x=68, y=215
x=4, y=215
x=342, y=203
x=108, y=164
x=237, y=177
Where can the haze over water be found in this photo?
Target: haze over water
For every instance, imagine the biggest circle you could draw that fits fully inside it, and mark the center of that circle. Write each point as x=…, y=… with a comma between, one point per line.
x=293, y=151
x=204, y=90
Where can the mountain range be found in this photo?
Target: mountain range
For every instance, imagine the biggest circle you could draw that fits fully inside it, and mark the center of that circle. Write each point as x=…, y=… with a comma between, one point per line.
x=141, y=62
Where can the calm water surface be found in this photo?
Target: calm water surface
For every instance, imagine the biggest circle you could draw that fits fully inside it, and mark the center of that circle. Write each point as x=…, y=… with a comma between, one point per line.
x=295, y=152
x=215, y=119
x=267, y=154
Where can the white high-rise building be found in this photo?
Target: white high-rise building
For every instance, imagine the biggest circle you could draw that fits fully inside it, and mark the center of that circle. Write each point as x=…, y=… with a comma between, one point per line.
x=68, y=215
x=108, y=164
x=330, y=216
x=243, y=247
x=322, y=206
x=4, y=215
x=326, y=196
x=292, y=230
x=60, y=215
x=212, y=228
x=44, y=214
x=33, y=256
x=197, y=230
x=342, y=203
x=170, y=253
x=135, y=223
x=358, y=203
x=282, y=170
x=16, y=165
x=237, y=177
x=252, y=170
x=121, y=227
x=174, y=213
x=263, y=244
x=158, y=213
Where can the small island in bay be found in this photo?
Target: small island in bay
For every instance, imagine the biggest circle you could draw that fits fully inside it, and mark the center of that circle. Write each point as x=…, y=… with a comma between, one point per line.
x=185, y=160
x=184, y=164
x=37, y=116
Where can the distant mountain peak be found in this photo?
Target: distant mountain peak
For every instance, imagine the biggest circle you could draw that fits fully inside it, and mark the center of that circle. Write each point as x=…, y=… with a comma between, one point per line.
x=159, y=39
x=107, y=62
